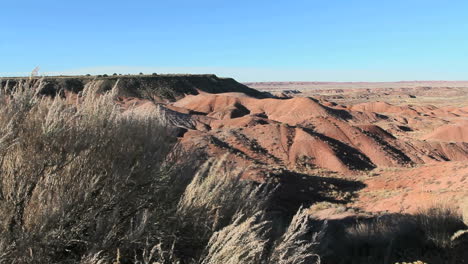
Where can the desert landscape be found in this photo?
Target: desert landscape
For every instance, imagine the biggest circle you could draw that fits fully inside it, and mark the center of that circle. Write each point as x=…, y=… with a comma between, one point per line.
x=201, y=169
x=234, y=132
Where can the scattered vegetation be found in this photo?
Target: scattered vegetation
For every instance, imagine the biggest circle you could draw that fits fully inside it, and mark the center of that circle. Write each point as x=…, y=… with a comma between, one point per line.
x=427, y=236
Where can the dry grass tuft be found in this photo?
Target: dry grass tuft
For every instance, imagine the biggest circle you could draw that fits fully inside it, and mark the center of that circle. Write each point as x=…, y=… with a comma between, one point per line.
x=217, y=193
x=298, y=244
x=243, y=241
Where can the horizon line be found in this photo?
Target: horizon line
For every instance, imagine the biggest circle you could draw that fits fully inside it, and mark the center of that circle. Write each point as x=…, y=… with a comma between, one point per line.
x=243, y=82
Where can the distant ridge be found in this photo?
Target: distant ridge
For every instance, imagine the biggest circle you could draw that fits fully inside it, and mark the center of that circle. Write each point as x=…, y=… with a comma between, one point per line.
x=168, y=86
x=353, y=85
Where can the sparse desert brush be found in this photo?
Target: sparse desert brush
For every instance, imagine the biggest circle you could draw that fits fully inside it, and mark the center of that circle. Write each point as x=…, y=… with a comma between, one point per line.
x=322, y=205
x=235, y=219
x=440, y=223
x=426, y=235
x=414, y=262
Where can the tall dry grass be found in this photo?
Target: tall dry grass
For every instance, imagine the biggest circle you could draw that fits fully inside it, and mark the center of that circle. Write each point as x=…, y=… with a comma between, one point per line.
x=301, y=241
x=80, y=177
x=237, y=218
x=217, y=193
x=251, y=240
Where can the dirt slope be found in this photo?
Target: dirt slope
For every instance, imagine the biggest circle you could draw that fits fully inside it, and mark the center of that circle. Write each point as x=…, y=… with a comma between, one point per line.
x=457, y=132
x=408, y=190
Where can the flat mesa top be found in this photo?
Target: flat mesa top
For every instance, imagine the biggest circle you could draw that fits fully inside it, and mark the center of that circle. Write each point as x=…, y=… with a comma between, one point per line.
x=111, y=76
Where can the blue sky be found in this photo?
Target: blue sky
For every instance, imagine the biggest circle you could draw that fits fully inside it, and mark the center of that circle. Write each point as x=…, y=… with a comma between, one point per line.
x=313, y=40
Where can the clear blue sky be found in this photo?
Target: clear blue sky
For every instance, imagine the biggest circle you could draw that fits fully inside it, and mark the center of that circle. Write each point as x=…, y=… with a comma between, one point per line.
x=310, y=40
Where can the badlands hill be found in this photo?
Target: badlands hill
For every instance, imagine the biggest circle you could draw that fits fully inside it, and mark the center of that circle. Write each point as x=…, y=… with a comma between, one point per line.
x=300, y=133
x=374, y=142
x=454, y=132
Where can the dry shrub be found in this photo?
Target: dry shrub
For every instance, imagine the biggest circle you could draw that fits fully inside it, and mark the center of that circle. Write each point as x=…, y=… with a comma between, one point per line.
x=81, y=182
x=95, y=258
x=80, y=177
x=376, y=240
x=439, y=223
x=425, y=235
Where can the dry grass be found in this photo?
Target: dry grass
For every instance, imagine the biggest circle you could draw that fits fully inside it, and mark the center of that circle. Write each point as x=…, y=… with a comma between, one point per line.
x=217, y=193
x=464, y=210
x=252, y=240
x=298, y=244
x=80, y=177
x=244, y=241
x=233, y=216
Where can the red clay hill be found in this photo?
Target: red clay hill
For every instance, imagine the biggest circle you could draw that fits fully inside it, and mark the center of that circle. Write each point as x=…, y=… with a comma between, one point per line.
x=393, y=148
x=302, y=133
